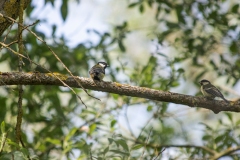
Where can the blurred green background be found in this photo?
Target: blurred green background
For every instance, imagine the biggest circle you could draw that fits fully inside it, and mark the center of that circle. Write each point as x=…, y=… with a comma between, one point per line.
x=165, y=45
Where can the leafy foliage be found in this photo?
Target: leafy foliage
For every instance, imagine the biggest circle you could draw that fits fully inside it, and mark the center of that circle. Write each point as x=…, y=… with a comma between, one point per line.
x=191, y=40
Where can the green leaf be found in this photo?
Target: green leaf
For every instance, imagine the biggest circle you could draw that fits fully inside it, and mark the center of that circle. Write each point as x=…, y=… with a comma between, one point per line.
x=115, y=96
x=110, y=140
x=52, y=2
x=123, y=143
x=121, y=46
x=213, y=64
x=235, y=8
x=172, y=25
x=219, y=138
x=238, y=123
x=119, y=152
x=149, y=108
x=3, y=127
x=113, y=122
x=118, y=135
x=54, y=27
x=13, y=143
x=125, y=24
x=136, y=147
x=18, y=155
x=162, y=54
x=53, y=141
x=34, y=157
x=179, y=9
x=24, y=151
x=7, y=156
x=105, y=150
x=229, y=115
x=175, y=84
x=207, y=126
x=207, y=137
x=233, y=47
x=141, y=8
x=92, y=128
x=71, y=133
x=133, y=4
x=180, y=70
x=200, y=74
x=89, y=112
x=164, y=108
x=64, y=9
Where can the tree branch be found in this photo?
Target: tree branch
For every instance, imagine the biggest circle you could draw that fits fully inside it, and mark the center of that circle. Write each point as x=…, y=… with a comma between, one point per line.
x=210, y=151
x=16, y=78
x=226, y=152
x=20, y=64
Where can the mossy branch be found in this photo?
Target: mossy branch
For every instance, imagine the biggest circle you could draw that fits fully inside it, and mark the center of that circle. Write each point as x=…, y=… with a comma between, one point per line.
x=8, y=8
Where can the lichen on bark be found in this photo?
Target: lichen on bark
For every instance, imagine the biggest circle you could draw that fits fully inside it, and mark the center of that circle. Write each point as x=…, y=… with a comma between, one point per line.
x=8, y=8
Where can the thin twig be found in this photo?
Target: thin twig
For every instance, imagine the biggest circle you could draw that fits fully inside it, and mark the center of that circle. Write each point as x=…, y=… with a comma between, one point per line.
x=4, y=138
x=145, y=146
x=128, y=123
x=30, y=25
x=90, y=152
x=148, y=121
x=210, y=151
x=5, y=37
x=26, y=27
x=13, y=42
x=159, y=154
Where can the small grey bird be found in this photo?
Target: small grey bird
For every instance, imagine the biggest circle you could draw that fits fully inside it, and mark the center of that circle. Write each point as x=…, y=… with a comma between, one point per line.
x=210, y=91
x=97, y=72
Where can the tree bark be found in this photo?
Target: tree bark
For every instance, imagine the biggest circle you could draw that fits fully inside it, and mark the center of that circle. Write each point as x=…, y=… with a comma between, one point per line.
x=16, y=78
x=9, y=8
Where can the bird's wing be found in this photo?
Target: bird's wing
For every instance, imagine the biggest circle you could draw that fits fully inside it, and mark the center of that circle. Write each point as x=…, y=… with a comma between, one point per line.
x=97, y=69
x=213, y=91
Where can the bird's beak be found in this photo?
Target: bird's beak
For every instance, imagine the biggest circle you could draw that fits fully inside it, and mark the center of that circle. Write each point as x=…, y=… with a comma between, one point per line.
x=199, y=82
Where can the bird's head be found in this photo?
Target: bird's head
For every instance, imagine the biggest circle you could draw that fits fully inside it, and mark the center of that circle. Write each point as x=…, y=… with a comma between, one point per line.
x=103, y=64
x=204, y=82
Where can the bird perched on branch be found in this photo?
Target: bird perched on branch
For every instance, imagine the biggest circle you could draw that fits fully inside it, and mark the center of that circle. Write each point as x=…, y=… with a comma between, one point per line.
x=97, y=72
x=210, y=91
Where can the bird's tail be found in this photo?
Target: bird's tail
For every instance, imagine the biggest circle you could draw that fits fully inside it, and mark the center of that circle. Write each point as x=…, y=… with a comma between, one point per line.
x=225, y=100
